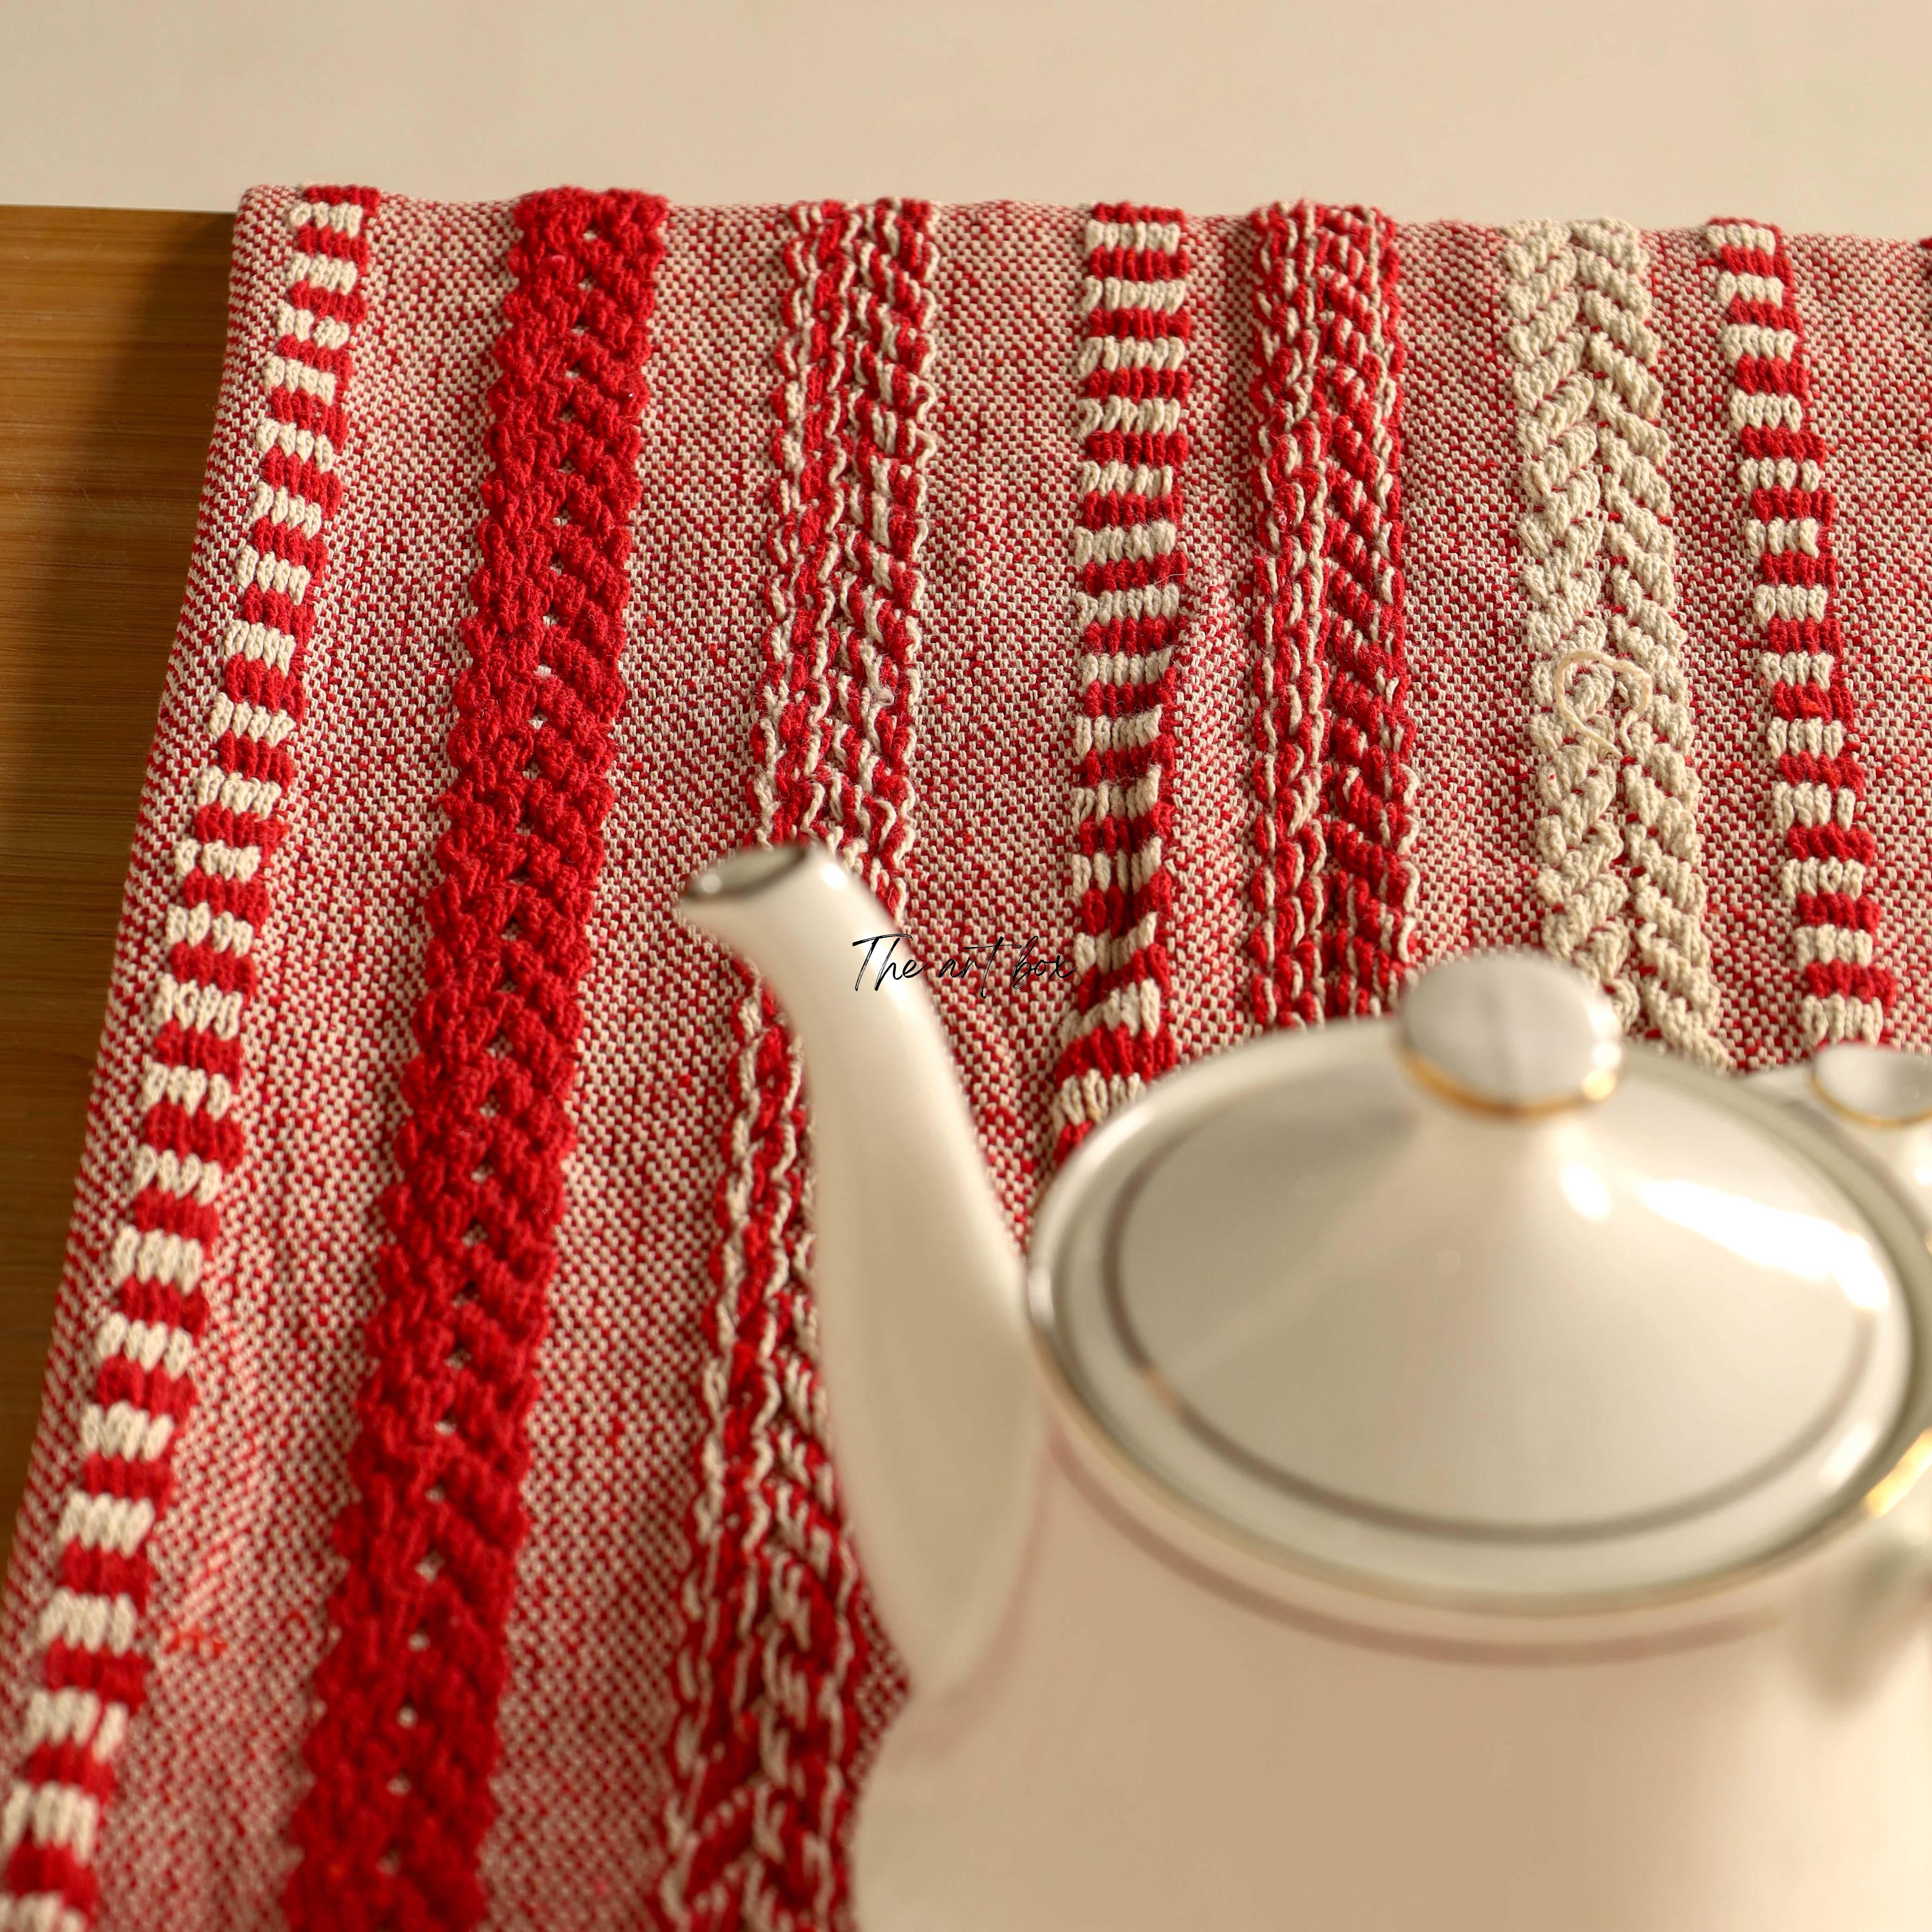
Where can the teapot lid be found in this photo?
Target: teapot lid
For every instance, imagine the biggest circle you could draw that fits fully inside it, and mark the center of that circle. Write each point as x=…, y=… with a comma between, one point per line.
x=1480, y=1301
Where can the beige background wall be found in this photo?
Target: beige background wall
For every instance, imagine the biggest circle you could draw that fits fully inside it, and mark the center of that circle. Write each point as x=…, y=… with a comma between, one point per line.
x=1661, y=111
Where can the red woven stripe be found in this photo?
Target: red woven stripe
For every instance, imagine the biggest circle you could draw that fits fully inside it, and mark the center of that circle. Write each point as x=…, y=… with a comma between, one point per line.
x=53, y=1869
x=777, y=1635
x=1290, y=489
x=116, y=1475
x=104, y=1573
x=1368, y=783
x=169, y=1235
x=171, y=1128
x=1334, y=886
x=303, y=478
x=406, y=1741
x=70, y=1764
x=197, y=1051
x=114, y=1680
x=212, y=967
x=1133, y=567
x=1844, y=991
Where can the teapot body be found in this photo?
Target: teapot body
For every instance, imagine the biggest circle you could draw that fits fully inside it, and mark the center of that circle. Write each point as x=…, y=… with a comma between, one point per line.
x=1146, y=1745
x=1437, y=1473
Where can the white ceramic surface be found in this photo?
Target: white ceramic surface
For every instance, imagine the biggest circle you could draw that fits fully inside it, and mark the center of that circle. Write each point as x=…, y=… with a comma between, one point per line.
x=1607, y=1348
x=1873, y=1096
x=1513, y=1031
x=1875, y=1086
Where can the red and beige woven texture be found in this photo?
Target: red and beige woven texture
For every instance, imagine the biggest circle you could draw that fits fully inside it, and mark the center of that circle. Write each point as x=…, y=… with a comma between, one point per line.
x=434, y=1522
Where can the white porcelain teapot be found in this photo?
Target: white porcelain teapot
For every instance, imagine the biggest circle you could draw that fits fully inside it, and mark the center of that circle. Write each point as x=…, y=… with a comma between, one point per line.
x=1449, y=1474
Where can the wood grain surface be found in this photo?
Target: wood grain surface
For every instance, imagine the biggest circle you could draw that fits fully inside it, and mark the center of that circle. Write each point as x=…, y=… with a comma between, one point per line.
x=111, y=324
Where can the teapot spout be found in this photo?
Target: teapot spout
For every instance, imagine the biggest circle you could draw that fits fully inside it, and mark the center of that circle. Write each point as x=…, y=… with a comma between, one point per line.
x=918, y=1285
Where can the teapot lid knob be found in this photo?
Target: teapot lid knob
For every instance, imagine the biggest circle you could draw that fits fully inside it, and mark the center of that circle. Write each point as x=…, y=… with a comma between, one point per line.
x=1876, y=1086
x=1510, y=1033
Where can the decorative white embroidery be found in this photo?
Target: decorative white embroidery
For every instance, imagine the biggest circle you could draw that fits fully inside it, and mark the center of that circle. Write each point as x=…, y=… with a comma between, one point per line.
x=1610, y=719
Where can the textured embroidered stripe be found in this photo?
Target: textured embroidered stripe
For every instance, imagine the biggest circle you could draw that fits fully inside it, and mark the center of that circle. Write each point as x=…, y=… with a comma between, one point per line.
x=1818, y=781
x=145, y=1344
x=405, y=1741
x=1128, y=570
x=1290, y=489
x=777, y=1637
x=1334, y=885
x=1368, y=777
x=1610, y=723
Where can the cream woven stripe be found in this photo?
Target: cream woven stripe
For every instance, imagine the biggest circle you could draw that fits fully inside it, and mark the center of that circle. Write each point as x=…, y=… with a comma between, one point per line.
x=1620, y=865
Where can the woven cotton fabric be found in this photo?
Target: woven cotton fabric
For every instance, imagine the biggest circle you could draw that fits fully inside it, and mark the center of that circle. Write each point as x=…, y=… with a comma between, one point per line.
x=434, y=1521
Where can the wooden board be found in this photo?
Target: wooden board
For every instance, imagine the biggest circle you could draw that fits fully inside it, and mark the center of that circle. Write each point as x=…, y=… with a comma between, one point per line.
x=112, y=326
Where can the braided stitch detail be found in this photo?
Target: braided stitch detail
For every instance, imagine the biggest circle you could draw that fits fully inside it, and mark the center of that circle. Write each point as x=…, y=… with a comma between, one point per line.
x=1561, y=538
x=1291, y=849
x=1369, y=783
x=1610, y=719
x=406, y=1741
x=778, y=1634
